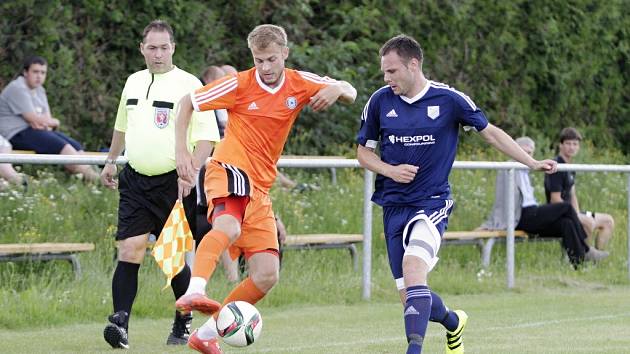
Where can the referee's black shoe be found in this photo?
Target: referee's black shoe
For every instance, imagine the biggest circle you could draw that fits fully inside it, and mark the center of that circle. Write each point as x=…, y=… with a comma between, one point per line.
x=181, y=329
x=115, y=333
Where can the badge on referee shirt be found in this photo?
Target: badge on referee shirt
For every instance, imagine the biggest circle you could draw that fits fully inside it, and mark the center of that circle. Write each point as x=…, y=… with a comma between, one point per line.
x=161, y=117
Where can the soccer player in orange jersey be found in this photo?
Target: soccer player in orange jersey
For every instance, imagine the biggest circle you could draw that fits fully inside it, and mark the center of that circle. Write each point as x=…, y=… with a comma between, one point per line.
x=262, y=102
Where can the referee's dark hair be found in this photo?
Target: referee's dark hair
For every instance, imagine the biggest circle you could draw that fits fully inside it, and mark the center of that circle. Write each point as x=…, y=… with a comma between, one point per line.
x=33, y=59
x=405, y=46
x=158, y=26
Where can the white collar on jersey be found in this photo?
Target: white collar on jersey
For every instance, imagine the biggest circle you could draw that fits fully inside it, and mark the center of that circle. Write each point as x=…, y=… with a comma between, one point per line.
x=419, y=95
x=267, y=88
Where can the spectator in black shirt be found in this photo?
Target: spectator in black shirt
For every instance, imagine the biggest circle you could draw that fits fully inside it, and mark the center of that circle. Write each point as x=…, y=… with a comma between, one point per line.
x=560, y=187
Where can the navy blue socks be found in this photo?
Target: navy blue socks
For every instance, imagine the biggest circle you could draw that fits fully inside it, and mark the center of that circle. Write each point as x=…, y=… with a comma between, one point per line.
x=417, y=310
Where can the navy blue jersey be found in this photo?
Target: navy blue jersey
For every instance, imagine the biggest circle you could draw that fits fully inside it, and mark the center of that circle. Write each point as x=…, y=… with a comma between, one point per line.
x=421, y=131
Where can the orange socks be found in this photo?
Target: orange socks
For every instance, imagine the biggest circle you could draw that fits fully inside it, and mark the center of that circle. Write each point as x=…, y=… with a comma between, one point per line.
x=209, y=251
x=245, y=291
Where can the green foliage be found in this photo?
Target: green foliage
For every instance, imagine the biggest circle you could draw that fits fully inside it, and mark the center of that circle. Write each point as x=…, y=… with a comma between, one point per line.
x=534, y=66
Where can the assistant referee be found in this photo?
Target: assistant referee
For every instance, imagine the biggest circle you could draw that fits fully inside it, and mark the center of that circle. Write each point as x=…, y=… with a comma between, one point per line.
x=148, y=184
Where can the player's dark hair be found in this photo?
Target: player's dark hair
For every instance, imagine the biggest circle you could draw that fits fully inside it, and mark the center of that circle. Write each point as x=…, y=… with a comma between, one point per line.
x=405, y=46
x=33, y=59
x=158, y=26
x=569, y=134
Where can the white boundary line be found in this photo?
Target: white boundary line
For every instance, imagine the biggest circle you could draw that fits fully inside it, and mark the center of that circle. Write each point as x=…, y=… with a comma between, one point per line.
x=296, y=349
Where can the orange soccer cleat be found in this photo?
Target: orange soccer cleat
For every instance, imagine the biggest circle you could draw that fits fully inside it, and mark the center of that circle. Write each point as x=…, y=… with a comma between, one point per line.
x=206, y=346
x=197, y=302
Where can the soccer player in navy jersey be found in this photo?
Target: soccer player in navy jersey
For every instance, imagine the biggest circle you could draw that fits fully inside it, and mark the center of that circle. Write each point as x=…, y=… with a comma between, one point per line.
x=416, y=122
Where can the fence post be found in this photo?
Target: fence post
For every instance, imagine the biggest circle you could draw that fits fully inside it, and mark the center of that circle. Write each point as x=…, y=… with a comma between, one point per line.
x=628, y=234
x=367, y=233
x=510, y=230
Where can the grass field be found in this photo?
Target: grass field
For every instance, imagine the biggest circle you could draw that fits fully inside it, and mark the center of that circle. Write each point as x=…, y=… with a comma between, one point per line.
x=552, y=309
x=540, y=321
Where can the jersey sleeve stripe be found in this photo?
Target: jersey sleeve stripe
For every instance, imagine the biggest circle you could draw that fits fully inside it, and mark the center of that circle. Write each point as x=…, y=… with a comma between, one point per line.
x=367, y=105
x=461, y=94
x=316, y=78
x=211, y=92
x=217, y=94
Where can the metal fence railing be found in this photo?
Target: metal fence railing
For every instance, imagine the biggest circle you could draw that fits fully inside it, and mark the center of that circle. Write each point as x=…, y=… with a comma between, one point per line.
x=367, y=192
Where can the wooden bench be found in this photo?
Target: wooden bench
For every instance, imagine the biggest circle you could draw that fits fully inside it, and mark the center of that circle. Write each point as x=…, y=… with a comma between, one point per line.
x=484, y=238
x=325, y=241
x=46, y=252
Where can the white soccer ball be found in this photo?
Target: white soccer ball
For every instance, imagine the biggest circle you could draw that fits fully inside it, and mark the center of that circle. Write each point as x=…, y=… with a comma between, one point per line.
x=239, y=323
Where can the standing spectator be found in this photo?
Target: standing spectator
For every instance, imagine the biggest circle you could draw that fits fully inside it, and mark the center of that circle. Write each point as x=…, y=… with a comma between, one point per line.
x=416, y=122
x=262, y=102
x=213, y=73
x=560, y=187
x=145, y=129
x=26, y=121
x=549, y=220
x=229, y=69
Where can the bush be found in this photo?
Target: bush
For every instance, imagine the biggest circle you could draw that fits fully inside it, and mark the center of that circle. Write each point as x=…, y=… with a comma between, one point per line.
x=533, y=66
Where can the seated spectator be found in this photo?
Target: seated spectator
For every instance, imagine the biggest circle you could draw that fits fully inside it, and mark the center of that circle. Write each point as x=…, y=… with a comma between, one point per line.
x=7, y=172
x=26, y=121
x=549, y=220
x=560, y=187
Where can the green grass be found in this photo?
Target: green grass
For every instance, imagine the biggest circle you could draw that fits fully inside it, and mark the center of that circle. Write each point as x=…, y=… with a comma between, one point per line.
x=537, y=320
x=62, y=209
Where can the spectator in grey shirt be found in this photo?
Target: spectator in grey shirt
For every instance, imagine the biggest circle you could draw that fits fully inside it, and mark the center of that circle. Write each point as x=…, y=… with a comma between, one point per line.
x=548, y=220
x=25, y=118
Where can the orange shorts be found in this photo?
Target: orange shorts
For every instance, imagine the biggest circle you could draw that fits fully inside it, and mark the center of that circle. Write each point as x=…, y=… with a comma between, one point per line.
x=258, y=227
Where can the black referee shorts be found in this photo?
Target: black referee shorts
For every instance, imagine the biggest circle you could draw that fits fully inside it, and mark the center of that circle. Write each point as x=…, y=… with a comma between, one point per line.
x=146, y=201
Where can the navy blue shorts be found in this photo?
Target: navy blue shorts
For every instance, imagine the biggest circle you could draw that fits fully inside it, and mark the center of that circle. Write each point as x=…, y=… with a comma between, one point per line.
x=398, y=222
x=43, y=141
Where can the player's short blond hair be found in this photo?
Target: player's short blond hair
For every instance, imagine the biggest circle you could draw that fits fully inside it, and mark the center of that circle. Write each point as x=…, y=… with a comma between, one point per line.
x=263, y=35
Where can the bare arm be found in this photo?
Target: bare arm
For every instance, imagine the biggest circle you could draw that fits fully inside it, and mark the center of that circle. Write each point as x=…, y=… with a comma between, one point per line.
x=203, y=149
x=574, y=200
x=115, y=149
x=501, y=141
x=183, y=158
x=328, y=95
x=555, y=197
x=348, y=92
x=38, y=121
x=401, y=173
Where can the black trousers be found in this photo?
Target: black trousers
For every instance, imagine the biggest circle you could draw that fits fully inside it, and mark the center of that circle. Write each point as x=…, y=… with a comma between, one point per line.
x=553, y=220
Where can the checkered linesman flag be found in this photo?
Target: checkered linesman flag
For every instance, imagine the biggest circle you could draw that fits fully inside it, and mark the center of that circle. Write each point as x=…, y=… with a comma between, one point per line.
x=174, y=241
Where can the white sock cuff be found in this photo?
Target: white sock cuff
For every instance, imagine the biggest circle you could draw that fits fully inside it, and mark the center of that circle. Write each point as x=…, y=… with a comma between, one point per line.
x=197, y=285
x=208, y=330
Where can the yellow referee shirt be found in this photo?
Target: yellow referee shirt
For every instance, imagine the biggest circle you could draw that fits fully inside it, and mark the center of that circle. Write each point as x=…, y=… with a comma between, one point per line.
x=146, y=114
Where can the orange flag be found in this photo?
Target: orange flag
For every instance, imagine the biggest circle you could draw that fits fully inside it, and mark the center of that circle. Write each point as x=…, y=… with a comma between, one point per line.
x=174, y=241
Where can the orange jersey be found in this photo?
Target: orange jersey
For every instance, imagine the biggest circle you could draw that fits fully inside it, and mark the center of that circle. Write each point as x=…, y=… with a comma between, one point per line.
x=260, y=118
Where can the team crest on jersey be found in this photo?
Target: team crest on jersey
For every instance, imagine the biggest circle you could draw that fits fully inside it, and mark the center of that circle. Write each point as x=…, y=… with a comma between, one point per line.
x=161, y=117
x=433, y=112
x=291, y=102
